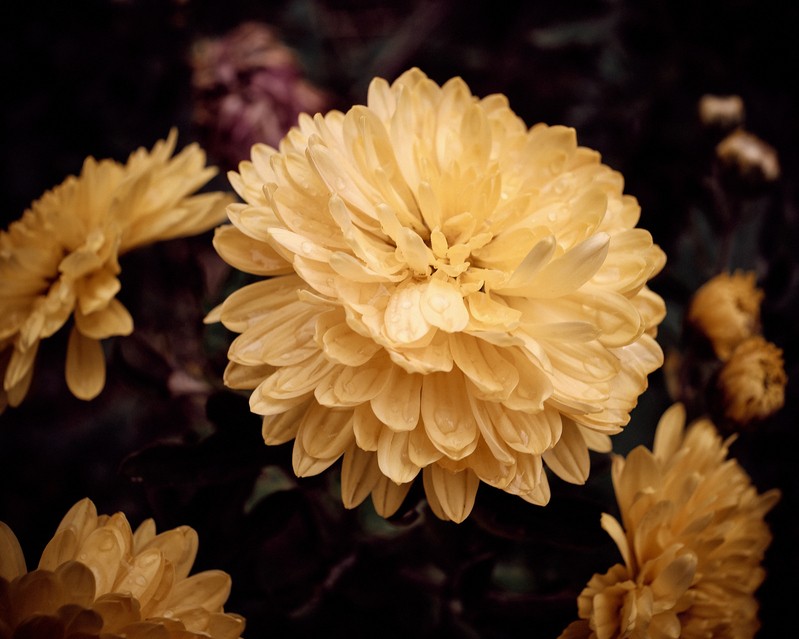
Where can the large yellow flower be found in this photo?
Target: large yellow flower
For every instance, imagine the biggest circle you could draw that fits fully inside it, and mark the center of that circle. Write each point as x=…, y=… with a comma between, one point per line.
x=61, y=258
x=692, y=538
x=96, y=578
x=454, y=293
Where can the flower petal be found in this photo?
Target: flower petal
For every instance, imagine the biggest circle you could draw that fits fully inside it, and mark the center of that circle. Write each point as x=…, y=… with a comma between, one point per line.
x=85, y=370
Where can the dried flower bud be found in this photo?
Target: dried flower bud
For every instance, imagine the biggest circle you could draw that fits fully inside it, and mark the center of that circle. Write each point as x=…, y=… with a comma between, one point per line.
x=749, y=157
x=721, y=111
x=726, y=309
x=752, y=381
x=248, y=88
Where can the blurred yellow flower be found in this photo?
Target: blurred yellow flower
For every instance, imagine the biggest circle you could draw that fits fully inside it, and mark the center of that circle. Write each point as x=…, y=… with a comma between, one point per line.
x=752, y=381
x=726, y=309
x=61, y=258
x=98, y=578
x=692, y=538
x=454, y=293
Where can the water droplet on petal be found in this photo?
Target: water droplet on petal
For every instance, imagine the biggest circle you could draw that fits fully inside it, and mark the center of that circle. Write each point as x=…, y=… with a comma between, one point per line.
x=439, y=303
x=306, y=247
x=141, y=580
x=340, y=184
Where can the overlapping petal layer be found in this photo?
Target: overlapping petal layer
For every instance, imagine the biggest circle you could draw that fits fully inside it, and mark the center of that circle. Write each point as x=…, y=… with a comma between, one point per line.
x=97, y=578
x=453, y=294
x=60, y=260
x=692, y=539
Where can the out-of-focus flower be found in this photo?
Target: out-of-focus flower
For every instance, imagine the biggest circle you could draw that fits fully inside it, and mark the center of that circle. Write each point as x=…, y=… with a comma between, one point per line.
x=61, y=258
x=726, y=309
x=721, y=111
x=248, y=88
x=97, y=578
x=454, y=293
x=749, y=157
x=692, y=538
x=752, y=381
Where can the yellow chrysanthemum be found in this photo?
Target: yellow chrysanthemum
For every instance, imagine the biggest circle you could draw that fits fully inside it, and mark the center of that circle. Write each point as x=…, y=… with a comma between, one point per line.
x=61, y=258
x=454, y=293
x=726, y=309
x=692, y=540
x=752, y=381
x=98, y=578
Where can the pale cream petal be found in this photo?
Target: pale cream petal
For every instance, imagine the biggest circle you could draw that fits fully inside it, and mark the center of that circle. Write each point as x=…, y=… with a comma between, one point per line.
x=398, y=403
x=85, y=368
x=443, y=307
x=447, y=418
x=248, y=255
x=493, y=375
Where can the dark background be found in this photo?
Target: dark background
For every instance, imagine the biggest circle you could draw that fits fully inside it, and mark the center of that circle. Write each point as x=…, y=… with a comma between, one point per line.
x=102, y=78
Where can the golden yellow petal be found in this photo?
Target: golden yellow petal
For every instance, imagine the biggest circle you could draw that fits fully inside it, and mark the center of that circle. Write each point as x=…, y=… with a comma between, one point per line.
x=359, y=475
x=113, y=319
x=178, y=546
x=325, y=432
x=81, y=519
x=669, y=433
x=144, y=533
x=282, y=427
x=454, y=492
x=387, y=496
x=102, y=552
x=393, y=458
x=118, y=611
x=85, y=368
x=40, y=591
x=12, y=561
x=208, y=590
x=569, y=458
x=96, y=290
x=78, y=581
x=19, y=367
x=60, y=549
x=225, y=626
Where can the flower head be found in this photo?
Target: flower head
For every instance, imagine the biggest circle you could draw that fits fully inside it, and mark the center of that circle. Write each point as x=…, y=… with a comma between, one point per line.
x=453, y=293
x=726, y=309
x=97, y=578
x=749, y=157
x=752, y=381
x=722, y=111
x=692, y=538
x=249, y=88
x=60, y=260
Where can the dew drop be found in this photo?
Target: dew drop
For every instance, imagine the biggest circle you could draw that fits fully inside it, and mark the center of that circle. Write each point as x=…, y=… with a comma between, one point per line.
x=83, y=556
x=552, y=216
x=406, y=304
x=340, y=184
x=306, y=247
x=140, y=580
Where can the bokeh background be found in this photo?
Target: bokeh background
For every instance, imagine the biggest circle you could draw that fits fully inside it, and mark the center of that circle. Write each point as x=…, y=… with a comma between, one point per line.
x=166, y=440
